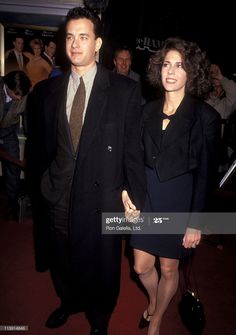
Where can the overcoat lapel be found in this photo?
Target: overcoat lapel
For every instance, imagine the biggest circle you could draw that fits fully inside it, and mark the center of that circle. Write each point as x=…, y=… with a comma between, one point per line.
x=95, y=109
x=154, y=124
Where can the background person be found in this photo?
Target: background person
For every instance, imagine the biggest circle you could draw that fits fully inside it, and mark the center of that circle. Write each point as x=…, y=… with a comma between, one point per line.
x=223, y=98
x=14, y=88
x=49, y=52
x=223, y=94
x=37, y=68
x=14, y=58
x=123, y=60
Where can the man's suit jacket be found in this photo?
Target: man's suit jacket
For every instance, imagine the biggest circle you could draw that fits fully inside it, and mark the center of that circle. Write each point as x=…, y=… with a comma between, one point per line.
x=190, y=144
x=11, y=63
x=109, y=159
x=48, y=60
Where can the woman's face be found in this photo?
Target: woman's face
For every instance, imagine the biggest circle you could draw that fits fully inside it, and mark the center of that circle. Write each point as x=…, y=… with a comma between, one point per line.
x=173, y=76
x=37, y=50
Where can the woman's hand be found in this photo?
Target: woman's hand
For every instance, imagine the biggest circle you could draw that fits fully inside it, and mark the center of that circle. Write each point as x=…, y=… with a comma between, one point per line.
x=191, y=238
x=131, y=213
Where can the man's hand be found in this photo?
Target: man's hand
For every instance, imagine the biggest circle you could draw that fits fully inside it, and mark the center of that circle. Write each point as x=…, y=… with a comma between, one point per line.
x=216, y=72
x=131, y=213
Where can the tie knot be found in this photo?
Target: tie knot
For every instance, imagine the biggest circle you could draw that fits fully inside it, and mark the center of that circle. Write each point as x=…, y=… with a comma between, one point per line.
x=81, y=84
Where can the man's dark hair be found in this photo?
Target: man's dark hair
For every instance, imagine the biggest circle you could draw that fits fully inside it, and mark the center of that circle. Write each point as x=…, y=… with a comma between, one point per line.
x=123, y=48
x=47, y=42
x=18, y=82
x=18, y=36
x=85, y=13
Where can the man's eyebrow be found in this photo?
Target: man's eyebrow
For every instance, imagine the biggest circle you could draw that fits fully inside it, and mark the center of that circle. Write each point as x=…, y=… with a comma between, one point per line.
x=83, y=34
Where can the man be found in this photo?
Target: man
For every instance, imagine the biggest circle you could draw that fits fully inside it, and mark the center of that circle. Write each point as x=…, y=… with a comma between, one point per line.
x=80, y=181
x=123, y=60
x=15, y=59
x=49, y=52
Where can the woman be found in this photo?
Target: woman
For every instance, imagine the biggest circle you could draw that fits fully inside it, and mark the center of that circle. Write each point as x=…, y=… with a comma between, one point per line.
x=180, y=140
x=37, y=68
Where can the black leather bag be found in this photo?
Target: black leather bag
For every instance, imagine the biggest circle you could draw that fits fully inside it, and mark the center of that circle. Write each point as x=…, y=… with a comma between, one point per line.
x=191, y=309
x=192, y=313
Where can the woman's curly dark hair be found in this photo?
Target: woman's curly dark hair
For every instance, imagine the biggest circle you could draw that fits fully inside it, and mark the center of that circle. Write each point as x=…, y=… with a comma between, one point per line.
x=195, y=63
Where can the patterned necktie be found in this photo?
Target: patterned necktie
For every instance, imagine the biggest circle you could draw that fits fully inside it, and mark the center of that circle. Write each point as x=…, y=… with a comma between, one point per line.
x=76, y=115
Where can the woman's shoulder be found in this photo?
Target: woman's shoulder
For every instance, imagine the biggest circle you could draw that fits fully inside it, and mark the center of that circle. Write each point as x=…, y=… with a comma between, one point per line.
x=206, y=112
x=209, y=112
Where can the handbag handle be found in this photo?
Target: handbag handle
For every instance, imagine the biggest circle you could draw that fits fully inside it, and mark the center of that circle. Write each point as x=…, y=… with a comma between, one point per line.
x=187, y=269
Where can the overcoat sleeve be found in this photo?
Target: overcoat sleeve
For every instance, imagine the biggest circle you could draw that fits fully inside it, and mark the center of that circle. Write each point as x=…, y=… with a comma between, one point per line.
x=133, y=155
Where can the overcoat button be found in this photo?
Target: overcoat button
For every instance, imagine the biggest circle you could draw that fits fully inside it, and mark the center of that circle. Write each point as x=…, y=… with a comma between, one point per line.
x=109, y=148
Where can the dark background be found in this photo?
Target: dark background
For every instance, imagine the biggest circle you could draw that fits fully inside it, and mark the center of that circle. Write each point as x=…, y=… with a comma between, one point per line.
x=212, y=26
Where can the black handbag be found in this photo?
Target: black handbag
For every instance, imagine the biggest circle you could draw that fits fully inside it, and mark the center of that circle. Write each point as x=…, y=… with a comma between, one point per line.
x=191, y=309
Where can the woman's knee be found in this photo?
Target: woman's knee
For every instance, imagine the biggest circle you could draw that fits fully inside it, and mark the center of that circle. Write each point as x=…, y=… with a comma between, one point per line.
x=169, y=271
x=141, y=269
x=144, y=263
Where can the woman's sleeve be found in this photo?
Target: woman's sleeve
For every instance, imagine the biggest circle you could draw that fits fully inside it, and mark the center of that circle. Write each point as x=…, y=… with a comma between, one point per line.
x=205, y=176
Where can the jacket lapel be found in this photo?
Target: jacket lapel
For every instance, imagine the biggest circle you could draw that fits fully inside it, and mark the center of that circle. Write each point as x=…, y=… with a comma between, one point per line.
x=178, y=126
x=181, y=123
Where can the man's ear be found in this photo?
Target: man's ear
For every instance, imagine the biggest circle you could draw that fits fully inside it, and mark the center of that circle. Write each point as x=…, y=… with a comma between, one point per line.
x=98, y=44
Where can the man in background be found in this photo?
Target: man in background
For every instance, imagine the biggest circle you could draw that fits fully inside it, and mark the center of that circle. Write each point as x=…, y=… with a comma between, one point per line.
x=49, y=52
x=123, y=60
x=14, y=58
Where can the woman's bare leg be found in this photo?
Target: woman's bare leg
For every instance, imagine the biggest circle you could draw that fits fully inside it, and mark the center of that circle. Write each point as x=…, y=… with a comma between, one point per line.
x=167, y=288
x=144, y=266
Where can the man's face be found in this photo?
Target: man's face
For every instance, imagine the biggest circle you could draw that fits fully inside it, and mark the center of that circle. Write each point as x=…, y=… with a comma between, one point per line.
x=51, y=49
x=123, y=62
x=19, y=44
x=81, y=44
